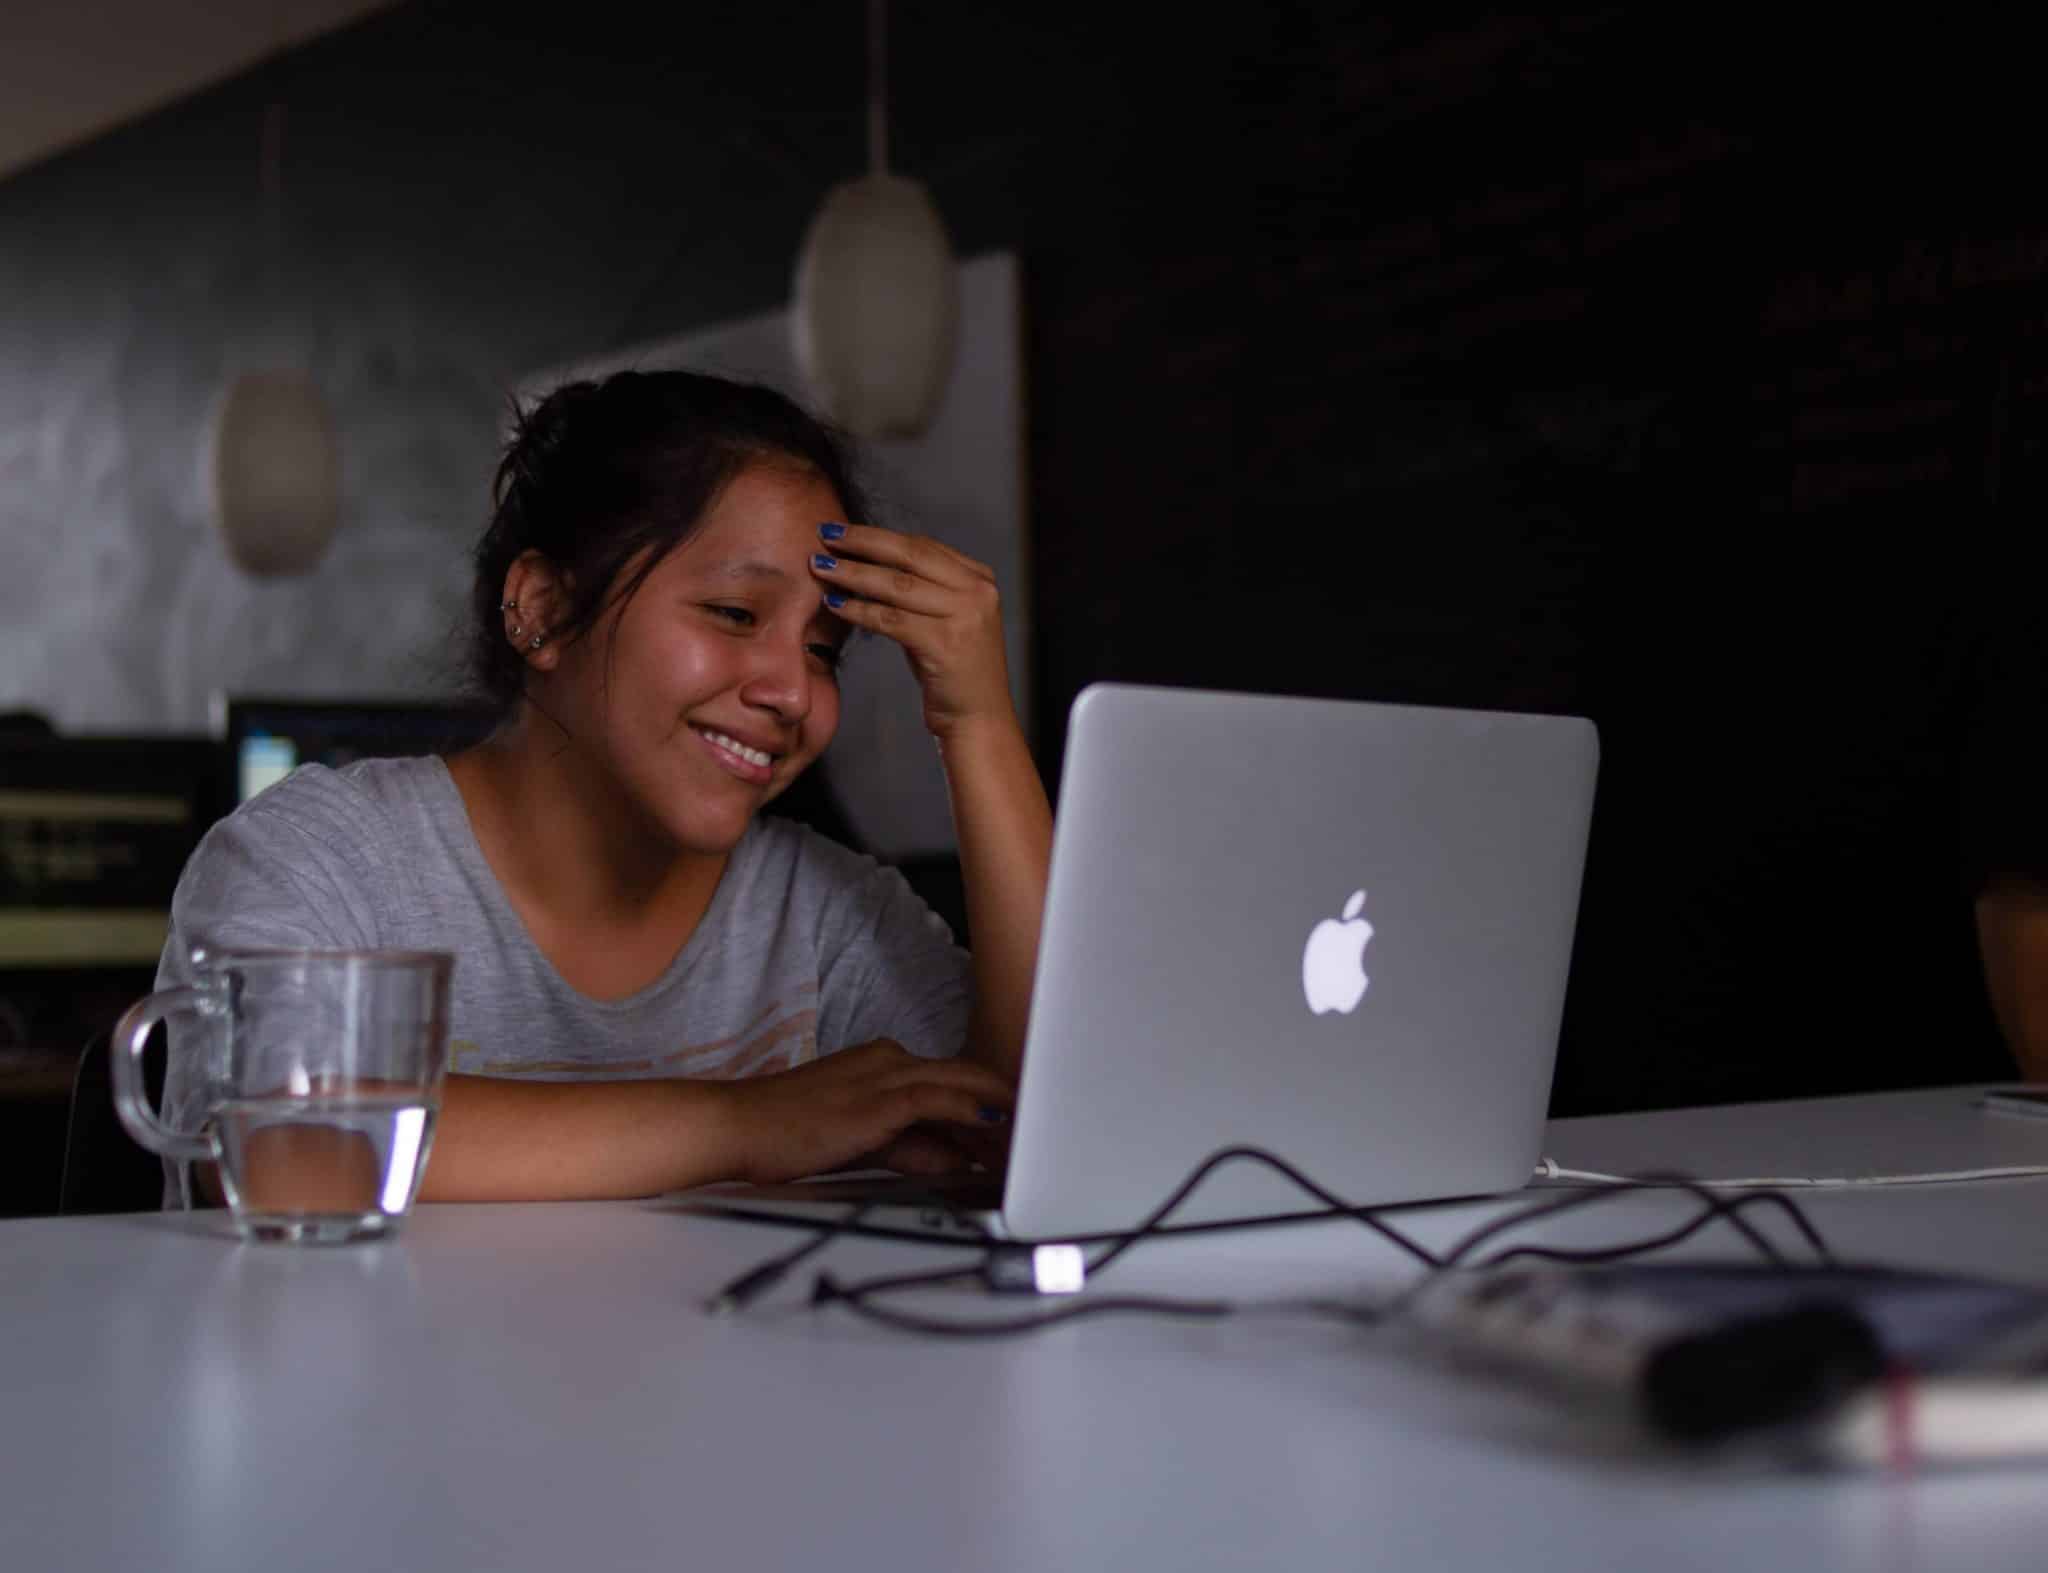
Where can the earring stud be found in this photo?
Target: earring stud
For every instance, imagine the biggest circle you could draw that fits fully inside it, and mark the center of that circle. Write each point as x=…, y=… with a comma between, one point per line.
x=508, y=606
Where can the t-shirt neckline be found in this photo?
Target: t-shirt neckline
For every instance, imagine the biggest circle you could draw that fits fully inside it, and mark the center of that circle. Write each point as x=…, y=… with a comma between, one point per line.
x=469, y=853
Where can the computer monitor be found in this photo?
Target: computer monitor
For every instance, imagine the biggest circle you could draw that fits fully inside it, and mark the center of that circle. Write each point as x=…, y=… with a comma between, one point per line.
x=269, y=737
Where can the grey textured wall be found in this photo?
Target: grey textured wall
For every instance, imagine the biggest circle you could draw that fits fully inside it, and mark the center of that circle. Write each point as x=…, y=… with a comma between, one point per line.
x=466, y=193
x=135, y=276
x=119, y=609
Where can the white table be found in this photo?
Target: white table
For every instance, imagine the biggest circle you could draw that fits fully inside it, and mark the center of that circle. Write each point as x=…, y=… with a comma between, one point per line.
x=535, y=1388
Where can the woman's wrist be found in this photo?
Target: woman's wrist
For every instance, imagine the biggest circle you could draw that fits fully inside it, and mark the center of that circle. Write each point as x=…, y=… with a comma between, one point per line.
x=991, y=735
x=708, y=1126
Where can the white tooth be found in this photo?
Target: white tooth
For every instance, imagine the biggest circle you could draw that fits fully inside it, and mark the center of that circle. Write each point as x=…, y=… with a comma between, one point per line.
x=752, y=756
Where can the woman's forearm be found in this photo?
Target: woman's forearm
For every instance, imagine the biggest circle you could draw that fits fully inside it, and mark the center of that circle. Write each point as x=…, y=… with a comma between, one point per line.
x=1004, y=824
x=503, y=1140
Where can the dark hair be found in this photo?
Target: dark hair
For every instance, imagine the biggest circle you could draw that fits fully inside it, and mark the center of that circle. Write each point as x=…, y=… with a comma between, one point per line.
x=597, y=473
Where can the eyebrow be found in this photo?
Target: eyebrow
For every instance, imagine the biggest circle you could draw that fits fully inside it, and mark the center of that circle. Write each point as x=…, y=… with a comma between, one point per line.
x=749, y=568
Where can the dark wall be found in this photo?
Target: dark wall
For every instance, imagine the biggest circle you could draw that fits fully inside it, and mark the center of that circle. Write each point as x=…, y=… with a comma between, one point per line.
x=1684, y=373
x=1678, y=370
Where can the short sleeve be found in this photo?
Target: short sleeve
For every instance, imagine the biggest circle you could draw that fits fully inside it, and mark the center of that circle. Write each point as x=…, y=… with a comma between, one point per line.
x=261, y=879
x=889, y=968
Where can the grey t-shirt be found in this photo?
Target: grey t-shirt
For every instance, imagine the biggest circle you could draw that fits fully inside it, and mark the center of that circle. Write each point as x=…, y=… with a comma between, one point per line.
x=806, y=947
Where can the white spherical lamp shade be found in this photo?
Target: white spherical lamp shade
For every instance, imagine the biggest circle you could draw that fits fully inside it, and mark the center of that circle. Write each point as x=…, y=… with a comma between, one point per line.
x=877, y=307
x=276, y=473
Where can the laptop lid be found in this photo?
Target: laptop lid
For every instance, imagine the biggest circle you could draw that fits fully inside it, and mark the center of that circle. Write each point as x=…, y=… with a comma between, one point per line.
x=1338, y=931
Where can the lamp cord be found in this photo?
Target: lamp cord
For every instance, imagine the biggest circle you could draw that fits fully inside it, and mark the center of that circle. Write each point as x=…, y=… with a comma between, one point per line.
x=878, y=87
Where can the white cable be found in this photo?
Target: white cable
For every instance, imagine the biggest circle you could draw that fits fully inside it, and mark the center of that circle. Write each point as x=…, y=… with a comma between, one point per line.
x=1550, y=1169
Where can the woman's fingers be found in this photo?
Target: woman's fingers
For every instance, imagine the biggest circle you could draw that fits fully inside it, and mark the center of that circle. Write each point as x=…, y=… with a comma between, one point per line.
x=947, y=1105
x=956, y=1075
x=989, y=1148
x=942, y=607
x=820, y=1116
x=944, y=1149
x=956, y=634
x=924, y=1153
x=914, y=554
x=960, y=1092
x=898, y=587
x=918, y=1113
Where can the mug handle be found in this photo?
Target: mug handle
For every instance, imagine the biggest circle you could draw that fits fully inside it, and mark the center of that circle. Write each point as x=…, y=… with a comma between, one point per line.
x=131, y=1099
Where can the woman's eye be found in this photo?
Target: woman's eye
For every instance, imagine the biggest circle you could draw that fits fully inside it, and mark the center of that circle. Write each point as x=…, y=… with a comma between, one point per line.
x=737, y=615
x=830, y=654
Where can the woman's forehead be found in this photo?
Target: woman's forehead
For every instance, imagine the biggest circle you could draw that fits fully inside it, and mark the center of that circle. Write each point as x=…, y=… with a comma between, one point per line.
x=765, y=513
x=772, y=489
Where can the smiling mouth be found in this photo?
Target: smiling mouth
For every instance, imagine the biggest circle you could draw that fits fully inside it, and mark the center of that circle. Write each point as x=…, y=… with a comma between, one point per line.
x=753, y=764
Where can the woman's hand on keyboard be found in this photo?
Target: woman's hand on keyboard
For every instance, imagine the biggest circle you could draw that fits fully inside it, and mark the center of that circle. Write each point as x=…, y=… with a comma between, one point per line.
x=876, y=1102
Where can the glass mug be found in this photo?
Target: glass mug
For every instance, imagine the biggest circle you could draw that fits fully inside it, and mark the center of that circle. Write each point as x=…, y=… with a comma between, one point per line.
x=323, y=1077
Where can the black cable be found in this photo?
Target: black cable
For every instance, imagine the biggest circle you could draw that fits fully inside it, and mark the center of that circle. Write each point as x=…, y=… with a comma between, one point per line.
x=1719, y=1204
x=1365, y=1215
x=855, y=1297
x=943, y=1275
x=756, y=1281
x=1590, y=1256
x=1455, y=1256
x=828, y=1291
x=1716, y=1207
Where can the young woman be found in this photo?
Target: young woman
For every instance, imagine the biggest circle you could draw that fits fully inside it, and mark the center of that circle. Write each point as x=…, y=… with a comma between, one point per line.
x=655, y=987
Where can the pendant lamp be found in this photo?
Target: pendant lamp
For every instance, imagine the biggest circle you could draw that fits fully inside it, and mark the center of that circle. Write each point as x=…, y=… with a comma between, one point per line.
x=275, y=462
x=877, y=304
x=276, y=472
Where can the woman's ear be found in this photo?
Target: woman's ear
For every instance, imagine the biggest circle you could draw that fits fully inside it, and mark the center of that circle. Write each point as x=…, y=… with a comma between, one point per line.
x=535, y=602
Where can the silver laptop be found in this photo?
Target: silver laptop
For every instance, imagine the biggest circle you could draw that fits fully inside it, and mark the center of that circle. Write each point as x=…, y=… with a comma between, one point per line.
x=1336, y=931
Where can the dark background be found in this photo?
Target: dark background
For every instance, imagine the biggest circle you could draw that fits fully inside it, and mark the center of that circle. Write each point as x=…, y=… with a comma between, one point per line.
x=1678, y=369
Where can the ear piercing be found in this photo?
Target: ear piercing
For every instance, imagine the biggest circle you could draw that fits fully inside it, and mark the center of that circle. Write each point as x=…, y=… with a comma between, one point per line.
x=517, y=631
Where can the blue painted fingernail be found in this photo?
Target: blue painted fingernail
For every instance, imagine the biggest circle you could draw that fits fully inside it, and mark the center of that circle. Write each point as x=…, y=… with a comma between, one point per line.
x=831, y=532
x=834, y=599
x=991, y=1115
x=820, y=560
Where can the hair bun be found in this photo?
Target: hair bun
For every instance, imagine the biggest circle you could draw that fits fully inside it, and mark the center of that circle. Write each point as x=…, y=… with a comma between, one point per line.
x=541, y=437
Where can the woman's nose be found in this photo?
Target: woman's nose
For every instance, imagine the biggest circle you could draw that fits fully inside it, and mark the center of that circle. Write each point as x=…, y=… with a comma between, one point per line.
x=780, y=682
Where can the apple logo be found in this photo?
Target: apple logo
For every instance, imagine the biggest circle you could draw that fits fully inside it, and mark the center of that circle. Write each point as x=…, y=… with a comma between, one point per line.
x=1333, y=964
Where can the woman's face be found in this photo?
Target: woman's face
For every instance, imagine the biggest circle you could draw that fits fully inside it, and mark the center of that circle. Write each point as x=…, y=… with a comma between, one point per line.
x=715, y=685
